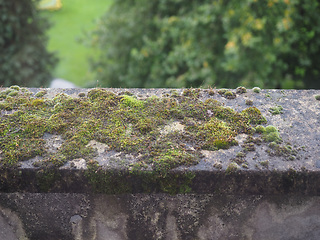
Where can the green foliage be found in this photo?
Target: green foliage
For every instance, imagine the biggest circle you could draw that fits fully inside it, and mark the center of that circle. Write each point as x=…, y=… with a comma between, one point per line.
x=68, y=24
x=176, y=43
x=24, y=59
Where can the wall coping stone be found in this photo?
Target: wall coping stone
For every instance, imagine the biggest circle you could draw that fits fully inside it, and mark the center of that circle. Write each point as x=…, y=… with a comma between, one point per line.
x=271, y=174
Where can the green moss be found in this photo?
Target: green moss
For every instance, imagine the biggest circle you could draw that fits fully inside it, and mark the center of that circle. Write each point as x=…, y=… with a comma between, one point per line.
x=130, y=101
x=317, y=97
x=256, y=89
x=46, y=179
x=81, y=94
x=270, y=129
x=249, y=147
x=216, y=134
x=40, y=94
x=241, y=154
x=222, y=91
x=276, y=110
x=254, y=115
x=232, y=167
x=287, y=151
x=117, y=182
x=265, y=163
x=128, y=93
x=15, y=87
x=38, y=102
x=271, y=134
x=174, y=93
x=241, y=90
x=107, y=182
x=13, y=93
x=260, y=129
x=244, y=165
x=176, y=183
x=240, y=159
x=194, y=93
x=211, y=91
x=229, y=95
x=124, y=123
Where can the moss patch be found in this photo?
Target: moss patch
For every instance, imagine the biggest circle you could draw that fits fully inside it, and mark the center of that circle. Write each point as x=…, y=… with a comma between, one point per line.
x=256, y=89
x=276, y=110
x=125, y=123
x=271, y=134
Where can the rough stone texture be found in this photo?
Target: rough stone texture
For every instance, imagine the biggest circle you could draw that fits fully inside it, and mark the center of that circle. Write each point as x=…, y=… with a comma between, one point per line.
x=298, y=125
x=11, y=227
x=278, y=202
x=158, y=216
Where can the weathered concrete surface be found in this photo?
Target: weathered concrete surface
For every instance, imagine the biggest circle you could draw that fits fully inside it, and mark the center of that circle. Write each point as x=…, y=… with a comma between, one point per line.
x=298, y=125
x=158, y=216
x=277, y=201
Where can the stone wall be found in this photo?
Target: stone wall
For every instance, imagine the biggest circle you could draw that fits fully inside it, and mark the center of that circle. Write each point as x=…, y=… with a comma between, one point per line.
x=262, y=182
x=158, y=216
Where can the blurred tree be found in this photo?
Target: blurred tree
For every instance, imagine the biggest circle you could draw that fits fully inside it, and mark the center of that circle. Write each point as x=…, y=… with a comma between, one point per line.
x=180, y=43
x=24, y=59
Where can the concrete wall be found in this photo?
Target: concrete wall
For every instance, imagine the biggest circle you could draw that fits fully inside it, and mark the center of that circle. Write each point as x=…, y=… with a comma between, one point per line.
x=270, y=191
x=157, y=216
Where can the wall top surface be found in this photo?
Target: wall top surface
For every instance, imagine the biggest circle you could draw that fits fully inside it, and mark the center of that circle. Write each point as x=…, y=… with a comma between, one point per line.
x=264, y=139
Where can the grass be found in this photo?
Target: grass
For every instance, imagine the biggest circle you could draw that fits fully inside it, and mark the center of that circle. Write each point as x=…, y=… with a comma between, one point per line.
x=68, y=25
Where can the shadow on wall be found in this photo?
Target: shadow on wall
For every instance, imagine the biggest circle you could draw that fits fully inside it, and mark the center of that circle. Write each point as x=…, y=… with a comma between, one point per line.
x=61, y=83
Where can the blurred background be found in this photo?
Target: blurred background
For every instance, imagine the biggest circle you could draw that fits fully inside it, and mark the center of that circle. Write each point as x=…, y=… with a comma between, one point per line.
x=160, y=43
